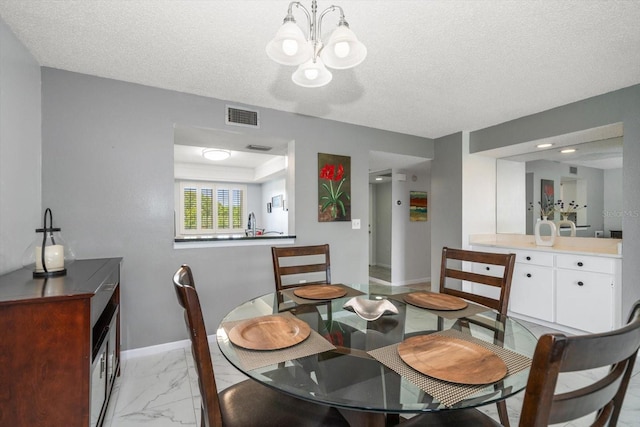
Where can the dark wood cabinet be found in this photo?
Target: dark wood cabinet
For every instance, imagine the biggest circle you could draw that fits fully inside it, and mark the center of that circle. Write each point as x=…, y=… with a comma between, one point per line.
x=59, y=345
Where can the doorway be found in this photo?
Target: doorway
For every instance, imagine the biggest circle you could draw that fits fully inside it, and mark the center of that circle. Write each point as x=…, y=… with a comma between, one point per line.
x=399, y=248
x=380, y=226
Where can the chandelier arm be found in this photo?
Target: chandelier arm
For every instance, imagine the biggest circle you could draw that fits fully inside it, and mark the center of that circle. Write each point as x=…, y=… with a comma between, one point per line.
x=324, y=12
x=289, y=17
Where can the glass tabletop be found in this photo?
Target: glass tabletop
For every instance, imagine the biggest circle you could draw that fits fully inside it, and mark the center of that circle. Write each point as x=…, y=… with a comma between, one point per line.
x=349, y=376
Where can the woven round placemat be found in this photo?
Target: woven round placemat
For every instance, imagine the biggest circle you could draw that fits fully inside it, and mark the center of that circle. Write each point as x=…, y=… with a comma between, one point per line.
x=448, y=393
x=254, y=359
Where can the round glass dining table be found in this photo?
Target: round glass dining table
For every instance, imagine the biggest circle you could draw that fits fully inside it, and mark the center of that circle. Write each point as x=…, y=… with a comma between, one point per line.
x=350, y=374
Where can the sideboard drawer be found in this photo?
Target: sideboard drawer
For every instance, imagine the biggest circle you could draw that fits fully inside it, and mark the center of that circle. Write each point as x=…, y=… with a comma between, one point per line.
x=586, y=263
x=534, y=257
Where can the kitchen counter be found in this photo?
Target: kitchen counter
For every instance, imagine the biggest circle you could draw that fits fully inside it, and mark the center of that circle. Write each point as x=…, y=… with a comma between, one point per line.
x=187, y=242
x=572, y=245
x=574, y=285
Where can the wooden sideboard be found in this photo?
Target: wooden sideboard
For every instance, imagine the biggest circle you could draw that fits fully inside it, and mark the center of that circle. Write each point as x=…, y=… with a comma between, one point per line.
x=59, y=345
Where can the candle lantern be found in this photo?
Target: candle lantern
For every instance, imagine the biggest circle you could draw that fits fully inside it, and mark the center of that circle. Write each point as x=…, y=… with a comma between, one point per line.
x=47, y=255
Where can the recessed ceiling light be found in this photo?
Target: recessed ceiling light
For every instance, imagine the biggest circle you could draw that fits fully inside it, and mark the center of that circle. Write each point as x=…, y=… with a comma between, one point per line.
x=547, y=145
x=379, y=178
x=568, y=150
x=215, y=154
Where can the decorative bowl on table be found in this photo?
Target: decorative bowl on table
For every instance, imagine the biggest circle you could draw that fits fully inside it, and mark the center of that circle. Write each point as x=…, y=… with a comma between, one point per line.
x=370, y=310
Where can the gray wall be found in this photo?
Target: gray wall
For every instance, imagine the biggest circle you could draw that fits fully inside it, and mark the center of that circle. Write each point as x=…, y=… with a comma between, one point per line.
x=411, y=251
x=619, y=106
x=20, y=154
x=445, y=205
x=109, y=178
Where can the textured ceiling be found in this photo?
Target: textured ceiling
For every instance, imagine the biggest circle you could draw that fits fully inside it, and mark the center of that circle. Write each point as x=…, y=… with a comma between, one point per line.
x=433, y=67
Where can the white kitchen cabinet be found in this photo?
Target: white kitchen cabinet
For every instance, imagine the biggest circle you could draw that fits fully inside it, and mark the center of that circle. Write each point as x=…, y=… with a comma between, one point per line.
x=586, y=292
x=564, y=289
x=585, y=300
x=532, y=291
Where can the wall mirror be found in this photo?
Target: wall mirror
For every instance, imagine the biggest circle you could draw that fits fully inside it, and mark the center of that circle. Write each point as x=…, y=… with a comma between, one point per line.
x=590, y=175
x=214, y=196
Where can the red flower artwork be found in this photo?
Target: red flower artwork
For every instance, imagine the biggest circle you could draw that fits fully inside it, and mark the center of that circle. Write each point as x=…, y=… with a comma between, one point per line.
x=332, y=200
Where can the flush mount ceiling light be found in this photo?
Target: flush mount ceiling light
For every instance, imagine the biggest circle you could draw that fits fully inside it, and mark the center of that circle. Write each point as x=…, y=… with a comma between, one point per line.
x=568, y=150
x=291, y=46
x=215, y=154
x=547, y=145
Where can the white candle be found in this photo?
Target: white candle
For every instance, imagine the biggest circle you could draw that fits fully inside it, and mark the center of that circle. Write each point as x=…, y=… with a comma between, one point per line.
x=53, y=258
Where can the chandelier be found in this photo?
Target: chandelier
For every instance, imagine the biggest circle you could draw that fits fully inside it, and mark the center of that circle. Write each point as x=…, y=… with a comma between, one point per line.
x=291, y=46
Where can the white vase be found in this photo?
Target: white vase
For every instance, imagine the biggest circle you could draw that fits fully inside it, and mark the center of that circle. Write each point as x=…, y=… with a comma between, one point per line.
x=545, y=240
x=566, y=221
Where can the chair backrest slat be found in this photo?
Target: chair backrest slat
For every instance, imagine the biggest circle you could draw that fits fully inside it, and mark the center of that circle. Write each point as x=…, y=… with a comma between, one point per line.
x=448, y=271
x=301, y=260
x=557, y=353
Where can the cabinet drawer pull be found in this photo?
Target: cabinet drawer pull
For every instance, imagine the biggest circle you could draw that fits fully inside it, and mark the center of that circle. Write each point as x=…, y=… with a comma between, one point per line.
x=528, y=258
x=580, y=264
x=580, y=284
x=488, y=268
x=528, y=274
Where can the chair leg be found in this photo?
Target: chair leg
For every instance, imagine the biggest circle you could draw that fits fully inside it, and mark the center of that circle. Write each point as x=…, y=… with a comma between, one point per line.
x=502, y=413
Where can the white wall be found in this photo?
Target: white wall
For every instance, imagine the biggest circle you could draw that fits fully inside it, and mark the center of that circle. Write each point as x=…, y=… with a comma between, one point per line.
x=478, y=193
x=511, y=197
x=20, y=150
x=277, y=220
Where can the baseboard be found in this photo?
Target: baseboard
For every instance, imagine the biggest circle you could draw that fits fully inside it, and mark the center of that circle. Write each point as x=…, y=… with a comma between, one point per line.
x=414, y=281
x=379, y=281
x=155, y=349
x=381, y=265
x=404, y=283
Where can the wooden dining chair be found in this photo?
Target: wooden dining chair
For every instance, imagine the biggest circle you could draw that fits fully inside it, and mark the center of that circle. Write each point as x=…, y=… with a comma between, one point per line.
x=247, y=403
x=295, y=266
x=478, y=271
x=556, y=353
x=502, y=281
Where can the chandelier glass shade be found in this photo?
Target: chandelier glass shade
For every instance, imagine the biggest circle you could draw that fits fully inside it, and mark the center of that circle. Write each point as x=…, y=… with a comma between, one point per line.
x=343, y=50
x=312, y=73
x=291, y=46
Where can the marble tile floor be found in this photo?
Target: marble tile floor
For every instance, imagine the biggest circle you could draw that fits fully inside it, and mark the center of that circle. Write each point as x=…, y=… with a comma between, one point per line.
x=161, y=390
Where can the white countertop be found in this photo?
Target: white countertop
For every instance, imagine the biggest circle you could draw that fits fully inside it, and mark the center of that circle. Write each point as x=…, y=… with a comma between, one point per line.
x=574, y=245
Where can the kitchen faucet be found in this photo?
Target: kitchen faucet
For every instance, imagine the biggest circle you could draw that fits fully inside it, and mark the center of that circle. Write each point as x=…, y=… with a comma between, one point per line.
x=252, y=224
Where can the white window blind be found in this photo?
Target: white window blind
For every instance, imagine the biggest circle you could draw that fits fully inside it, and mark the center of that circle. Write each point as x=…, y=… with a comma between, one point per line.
x=210, y=208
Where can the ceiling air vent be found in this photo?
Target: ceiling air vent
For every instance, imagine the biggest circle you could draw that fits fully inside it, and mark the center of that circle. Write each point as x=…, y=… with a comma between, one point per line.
x=242, y=117
x=573, y=170
x=256, y=147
